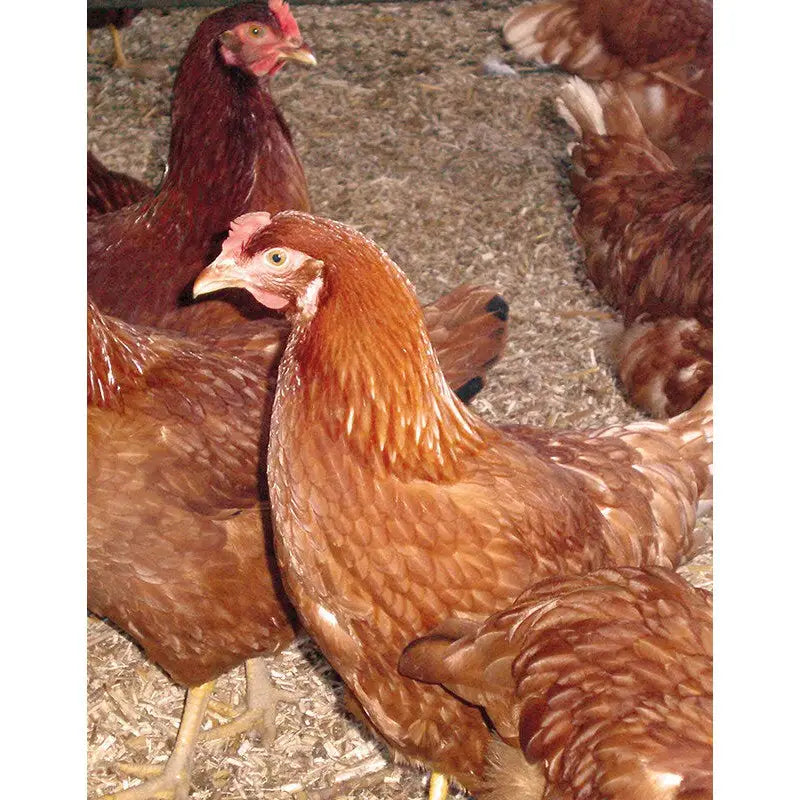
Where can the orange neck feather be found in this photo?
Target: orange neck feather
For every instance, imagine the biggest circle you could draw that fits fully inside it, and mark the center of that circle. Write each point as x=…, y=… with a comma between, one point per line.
x=369, y=372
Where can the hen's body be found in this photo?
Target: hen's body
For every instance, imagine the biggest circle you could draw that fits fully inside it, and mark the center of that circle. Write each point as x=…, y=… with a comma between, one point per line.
x=230, y=152
x=443, y=514
x=108, y=190
x=176, y=546
x=646, y=232
x=660, y=50
x=604, y=682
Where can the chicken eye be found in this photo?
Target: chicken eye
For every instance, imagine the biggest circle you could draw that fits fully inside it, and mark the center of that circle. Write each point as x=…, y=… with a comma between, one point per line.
x=276, y=257
x=256, y=30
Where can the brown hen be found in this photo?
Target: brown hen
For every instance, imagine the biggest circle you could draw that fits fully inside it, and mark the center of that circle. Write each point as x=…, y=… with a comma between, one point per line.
x=646, y=231
x=230, y=151
x=660, y=50
x=603, y=682
x=394, y=507
x=177, y=555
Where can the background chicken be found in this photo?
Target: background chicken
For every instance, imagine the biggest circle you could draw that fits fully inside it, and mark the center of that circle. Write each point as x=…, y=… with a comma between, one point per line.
x=446, y=514
x=646, y=231
x=177, y=498
x=230, y=151
x=603, y=682
x=113, y=19
x=660, y=50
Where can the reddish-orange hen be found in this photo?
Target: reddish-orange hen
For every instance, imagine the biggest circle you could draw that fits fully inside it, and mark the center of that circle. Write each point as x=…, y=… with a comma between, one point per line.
x=394, y=507
x=597, y=686
x=660, y=50
x=230, y=152
x=646, y=231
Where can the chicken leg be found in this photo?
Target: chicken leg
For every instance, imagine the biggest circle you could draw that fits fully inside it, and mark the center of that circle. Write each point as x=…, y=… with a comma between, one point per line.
x=120, y=62
x=172, y=783
x=262, y=700
x=139, y=69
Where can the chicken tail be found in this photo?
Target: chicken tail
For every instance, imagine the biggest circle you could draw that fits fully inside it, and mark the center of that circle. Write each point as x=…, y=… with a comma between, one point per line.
x=468, y=327
x=675, y=458
x=612, y=138
x=696, y=429
x=665, y=365
x=552, y=34
x=108, y=191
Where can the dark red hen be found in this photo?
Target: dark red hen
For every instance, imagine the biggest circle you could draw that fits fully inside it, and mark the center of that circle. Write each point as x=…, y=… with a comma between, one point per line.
x=230, y=152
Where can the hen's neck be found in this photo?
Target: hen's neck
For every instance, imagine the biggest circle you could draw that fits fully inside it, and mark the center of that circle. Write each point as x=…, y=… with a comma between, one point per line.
x=218, y=119
x=366, y=369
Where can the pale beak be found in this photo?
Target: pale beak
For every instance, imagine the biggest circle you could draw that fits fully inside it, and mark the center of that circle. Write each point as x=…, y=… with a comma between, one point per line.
x=221, y=274
x=302, y=54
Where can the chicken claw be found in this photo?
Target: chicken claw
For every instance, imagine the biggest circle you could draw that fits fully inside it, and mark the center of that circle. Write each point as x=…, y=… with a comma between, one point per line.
x=262, y=699
x=173, y=781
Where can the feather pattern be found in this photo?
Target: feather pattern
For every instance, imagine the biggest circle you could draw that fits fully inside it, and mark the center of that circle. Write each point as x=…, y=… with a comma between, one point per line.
x=646, y=231
x=603, y=682
x=108, y=190
x=659, y=50
x=177, y=500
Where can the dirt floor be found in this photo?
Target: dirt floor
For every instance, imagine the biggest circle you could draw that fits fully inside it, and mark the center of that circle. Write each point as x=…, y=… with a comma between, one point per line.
x=460, y=177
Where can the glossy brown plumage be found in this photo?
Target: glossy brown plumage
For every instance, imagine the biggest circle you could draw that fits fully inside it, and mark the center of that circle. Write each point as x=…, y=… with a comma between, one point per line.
x=660, y=50
x=444, y=514
x=230, y=152
x=176, y=552
x=646, y=231
x=603, y=681
x=177, y=486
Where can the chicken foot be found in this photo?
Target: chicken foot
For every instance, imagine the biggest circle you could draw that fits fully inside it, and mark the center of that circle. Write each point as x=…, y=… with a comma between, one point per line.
x=171, y=782
x=261, y=706
x=120, y=62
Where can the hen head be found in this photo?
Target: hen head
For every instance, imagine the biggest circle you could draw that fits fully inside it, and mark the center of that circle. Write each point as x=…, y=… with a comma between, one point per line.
x=263, y=44
x=278, y=276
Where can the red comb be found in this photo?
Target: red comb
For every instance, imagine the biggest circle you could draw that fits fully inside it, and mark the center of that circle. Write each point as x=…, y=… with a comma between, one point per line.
x=242, y=228
x=280, y=8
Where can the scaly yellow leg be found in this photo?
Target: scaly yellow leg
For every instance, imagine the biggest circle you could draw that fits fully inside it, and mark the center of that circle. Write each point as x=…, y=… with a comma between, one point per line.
x=438, y=787
x=119, y=57
x=262, y=699
x=173, y=781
